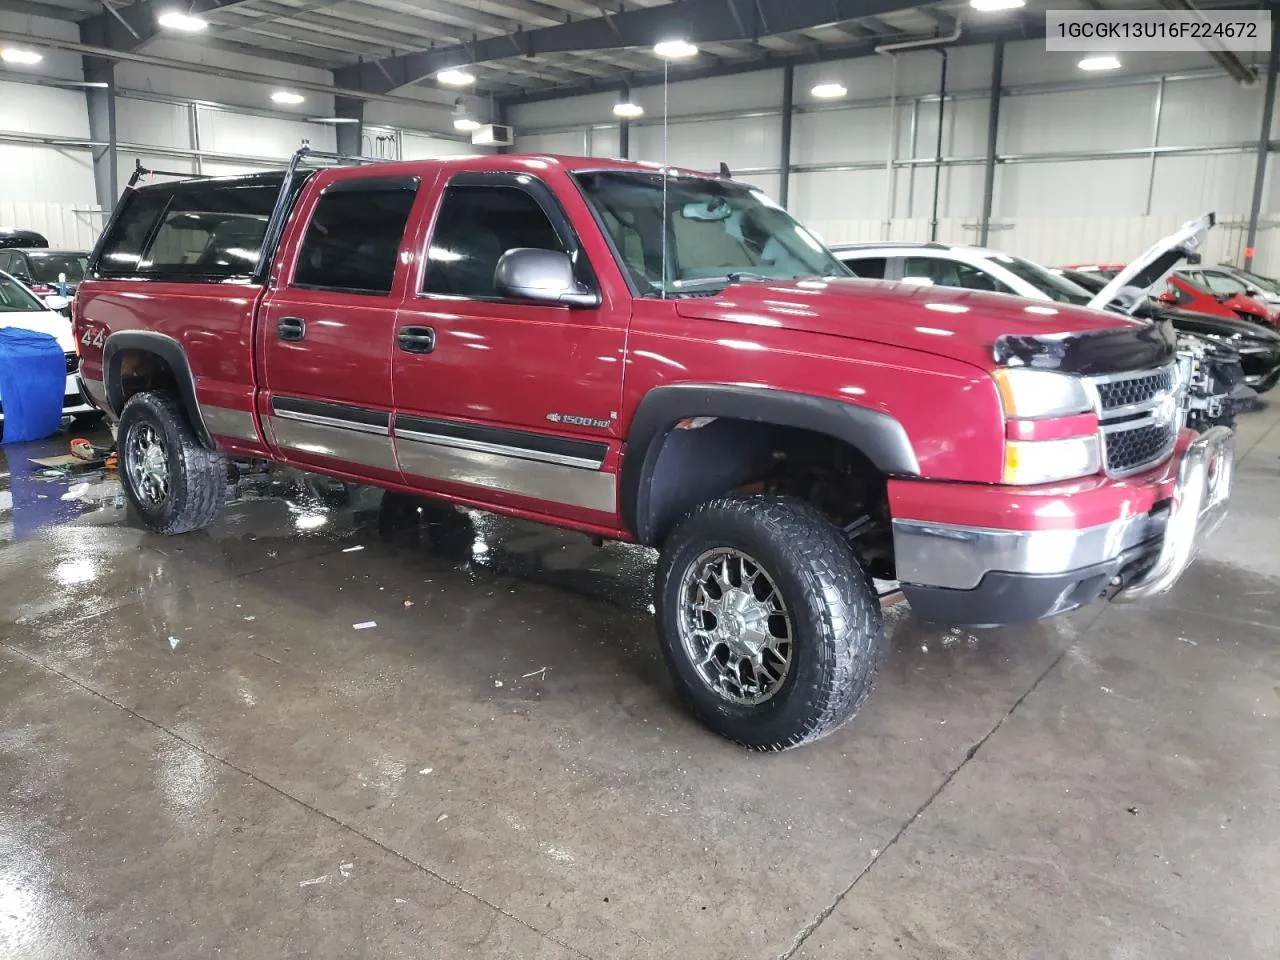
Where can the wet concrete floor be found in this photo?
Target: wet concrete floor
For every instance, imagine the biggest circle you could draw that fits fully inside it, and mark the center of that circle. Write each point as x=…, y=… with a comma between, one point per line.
x=201, y=754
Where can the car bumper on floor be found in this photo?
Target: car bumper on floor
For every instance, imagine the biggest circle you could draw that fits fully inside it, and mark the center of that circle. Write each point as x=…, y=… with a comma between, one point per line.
x=979, y=575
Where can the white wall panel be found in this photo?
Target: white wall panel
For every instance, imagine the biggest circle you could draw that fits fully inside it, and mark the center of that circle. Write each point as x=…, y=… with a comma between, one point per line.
x=569, y=144
x=1191, y=185
x=840, y=136
x=56, y=63
x=45, y=174
x=1098, y=187
x=253, y=136
x=1077, y=121
x=1216, y=110
x=423, y=147
x=1027, y=62
x=66, y=225
x=27, y=108
x=153, y=123
x=593, y=108
x=603, y=142
x=829, y=202
x=744, y=143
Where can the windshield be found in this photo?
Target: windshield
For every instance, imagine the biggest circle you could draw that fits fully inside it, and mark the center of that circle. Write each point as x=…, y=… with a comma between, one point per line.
x=1050, y=284
x=45, y=267
x=15, y=299
x=718, y=232
x=1262, y=283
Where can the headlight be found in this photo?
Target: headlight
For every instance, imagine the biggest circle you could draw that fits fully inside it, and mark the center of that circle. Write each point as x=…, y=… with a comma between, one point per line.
x=1030, y=394
x=1051, y=430
x=1044, y=461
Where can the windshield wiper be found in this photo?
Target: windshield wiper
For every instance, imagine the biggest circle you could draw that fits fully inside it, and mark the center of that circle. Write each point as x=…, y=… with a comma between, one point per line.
x=738, y=276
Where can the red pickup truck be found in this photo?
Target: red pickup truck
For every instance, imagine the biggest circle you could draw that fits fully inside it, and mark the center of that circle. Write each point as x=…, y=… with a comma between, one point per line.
x=659, y=357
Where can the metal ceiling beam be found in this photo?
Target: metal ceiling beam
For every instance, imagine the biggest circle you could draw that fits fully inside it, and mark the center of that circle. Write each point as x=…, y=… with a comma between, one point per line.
x=700, y=21
x=766, y=62
x=129, y=28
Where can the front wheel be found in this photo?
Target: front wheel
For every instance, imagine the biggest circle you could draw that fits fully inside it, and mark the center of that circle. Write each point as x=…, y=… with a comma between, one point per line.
x=768, y=623
x=173, y=481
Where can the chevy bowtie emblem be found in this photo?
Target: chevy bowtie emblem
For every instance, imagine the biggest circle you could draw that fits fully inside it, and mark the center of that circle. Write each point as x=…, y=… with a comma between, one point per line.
x=579, y=421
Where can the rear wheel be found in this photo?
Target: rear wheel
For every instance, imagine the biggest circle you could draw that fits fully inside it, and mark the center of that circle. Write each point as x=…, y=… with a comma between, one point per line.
x=767, y=621
x=175, y=483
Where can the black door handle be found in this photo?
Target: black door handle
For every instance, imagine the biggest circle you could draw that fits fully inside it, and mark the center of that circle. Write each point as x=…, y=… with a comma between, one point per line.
x=291, y=328
x=416, y=339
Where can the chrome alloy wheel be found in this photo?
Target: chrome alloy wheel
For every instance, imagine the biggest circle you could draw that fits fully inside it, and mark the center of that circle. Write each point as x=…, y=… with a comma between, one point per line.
x=147, y=461
x=734, y=626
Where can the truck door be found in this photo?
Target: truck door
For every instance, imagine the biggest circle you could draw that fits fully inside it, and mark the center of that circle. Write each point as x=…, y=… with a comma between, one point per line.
x=501, y=400
x=326, y=329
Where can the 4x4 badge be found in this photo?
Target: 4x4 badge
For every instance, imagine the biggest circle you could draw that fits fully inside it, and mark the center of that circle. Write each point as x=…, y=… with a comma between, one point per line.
x=579, y=421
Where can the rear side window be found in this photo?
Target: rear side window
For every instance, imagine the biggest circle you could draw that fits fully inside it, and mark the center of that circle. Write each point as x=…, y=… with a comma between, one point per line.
x=474, y=228
x=198, y=230
x=869, y=268
x=123, y=247
x=353, y=240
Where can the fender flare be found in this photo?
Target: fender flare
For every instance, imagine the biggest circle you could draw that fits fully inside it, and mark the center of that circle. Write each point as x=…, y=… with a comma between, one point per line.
x=172, y=353
x=879, y=436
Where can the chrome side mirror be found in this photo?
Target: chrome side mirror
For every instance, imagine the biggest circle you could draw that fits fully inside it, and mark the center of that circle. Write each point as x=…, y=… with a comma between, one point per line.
x=543, y=276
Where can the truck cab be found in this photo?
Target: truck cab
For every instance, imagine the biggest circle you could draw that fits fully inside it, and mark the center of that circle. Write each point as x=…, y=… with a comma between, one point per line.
x=662, y=357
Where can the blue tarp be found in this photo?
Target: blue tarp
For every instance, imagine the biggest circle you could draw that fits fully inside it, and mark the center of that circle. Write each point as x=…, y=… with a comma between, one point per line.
x=33, y=378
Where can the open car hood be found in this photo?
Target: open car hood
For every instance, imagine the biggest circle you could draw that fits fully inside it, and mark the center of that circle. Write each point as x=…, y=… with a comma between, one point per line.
x=1131, y=286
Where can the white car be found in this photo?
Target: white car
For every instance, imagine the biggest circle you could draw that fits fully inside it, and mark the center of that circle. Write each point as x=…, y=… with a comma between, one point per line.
x=19, y=307
x=978, y=268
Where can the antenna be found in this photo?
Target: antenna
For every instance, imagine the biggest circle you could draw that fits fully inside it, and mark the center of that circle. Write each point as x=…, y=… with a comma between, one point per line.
x=665, y=67
x=725, y=171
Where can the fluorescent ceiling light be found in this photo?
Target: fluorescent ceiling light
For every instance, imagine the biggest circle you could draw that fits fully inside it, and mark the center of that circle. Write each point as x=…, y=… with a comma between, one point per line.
x=465, y=124
x=25, y=57
x=456, y=78
x=627, y=110
x=675, y=50
x=332, y=120
x=989, y=6
x=829, y=91
x=186, y=22
x=1101, y=62
x=287, y=97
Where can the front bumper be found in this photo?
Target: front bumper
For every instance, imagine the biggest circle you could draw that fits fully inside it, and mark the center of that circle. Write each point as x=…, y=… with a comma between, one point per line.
x=985, y=576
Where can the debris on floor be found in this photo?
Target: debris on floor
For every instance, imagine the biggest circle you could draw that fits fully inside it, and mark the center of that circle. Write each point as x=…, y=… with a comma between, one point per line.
x=366, y=625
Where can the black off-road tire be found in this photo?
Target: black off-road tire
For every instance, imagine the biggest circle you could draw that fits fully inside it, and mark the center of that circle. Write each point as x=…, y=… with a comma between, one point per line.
x=197, y=475
x=837, y=628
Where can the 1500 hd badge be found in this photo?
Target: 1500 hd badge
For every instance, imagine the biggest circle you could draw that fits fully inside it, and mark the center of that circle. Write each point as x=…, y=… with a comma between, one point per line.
x=573, y=421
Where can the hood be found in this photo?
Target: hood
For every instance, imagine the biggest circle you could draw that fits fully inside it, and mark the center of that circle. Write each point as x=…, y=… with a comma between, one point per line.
x=1242, y=304
x=48, y=322
x=1129, y=288
x=1204, y=323
x=961, y=324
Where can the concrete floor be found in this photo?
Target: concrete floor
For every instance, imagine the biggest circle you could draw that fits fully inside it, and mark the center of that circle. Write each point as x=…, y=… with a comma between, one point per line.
x=201, y=756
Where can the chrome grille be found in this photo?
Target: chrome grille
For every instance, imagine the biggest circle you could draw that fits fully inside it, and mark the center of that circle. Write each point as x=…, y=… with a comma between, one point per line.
x=1141, y=388
x=1139, y=415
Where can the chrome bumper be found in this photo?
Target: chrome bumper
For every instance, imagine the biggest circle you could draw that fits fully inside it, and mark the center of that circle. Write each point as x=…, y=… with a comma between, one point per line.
x=1199, y=507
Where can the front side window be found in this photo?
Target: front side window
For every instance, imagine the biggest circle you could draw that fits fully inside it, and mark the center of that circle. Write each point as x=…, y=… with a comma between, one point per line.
x=353, y=240
x=869, y=268
x=951, y=273
x=475, y=226
x=15, y=299
x=717, y=232
x=1223, y=283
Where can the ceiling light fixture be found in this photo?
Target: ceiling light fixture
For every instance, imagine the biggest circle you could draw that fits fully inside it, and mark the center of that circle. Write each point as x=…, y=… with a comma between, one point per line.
x=990, y=6
x=186, y=22
x=1101, y=62
x=627, y=110
x=675, y=50
x=24, y=57
x=456, y=78
x=466, y=124
x=829, y=91
x=287, y=97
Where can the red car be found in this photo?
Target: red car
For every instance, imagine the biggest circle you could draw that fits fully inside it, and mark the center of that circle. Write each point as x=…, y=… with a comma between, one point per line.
x=1180, y=292
x=665, y=359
